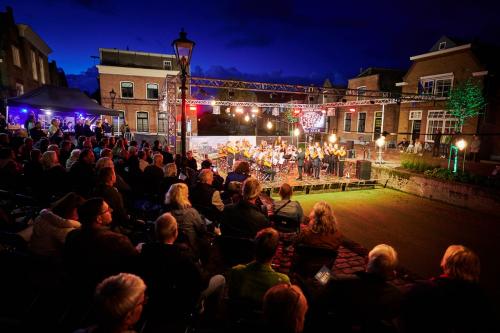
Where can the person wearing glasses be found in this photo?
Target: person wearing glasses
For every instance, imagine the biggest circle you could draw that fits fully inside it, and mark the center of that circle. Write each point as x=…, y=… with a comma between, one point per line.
x=94, y=251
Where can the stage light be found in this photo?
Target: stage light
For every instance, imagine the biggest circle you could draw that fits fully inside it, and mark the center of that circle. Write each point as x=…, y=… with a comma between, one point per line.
x=269, y=125
x=296, y=112
x=192, y=107
x=296, y=132
x=255, y=110
x=239, y=109
x=380, y=141
x=253, y=116
x=332, y=138
x=212, y=103
x=461, y=144
x=228, y=110
x=24, y=110
x=352, y=110
x=247, y=118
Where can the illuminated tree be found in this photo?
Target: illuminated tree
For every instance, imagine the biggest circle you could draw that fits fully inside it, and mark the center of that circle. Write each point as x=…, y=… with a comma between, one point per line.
x=466, y=101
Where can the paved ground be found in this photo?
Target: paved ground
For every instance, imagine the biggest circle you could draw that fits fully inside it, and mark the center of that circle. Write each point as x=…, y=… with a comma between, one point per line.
x=419, y=229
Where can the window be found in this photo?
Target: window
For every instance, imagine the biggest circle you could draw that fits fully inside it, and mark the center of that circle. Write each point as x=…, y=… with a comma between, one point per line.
x=439, y=120
x=442, y=45
x=162, y=122
x=142, y=122
x=443, y=87
x=127, y=89
x=33, y=65
x=19, y=89
x=415, y=115
x=167, y=64
x=439, y=86
x=361, y=93
x=42, y=70
x=347, y=122
x=118, y=122
x=361, y=122
x=15, y=56
x=151, y=91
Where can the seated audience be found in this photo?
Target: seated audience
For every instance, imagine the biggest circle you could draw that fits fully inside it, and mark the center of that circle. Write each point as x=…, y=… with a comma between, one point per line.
x=286, y=207
x=119, y=301
x=251, y=281
x=205, y=198
x=245, y=218
x=322, y=230
x=285, y=308
x=240, y=174
x=153, y=175
x=451, y=302
x=51, y=227
x=189, y=221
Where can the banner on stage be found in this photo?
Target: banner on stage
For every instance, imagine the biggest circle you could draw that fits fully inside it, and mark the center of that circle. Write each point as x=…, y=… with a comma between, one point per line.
x=210, y=145
x=313, y=121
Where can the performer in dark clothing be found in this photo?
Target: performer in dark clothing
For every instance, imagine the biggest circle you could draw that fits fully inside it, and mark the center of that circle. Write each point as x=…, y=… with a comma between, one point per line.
x=301, y=156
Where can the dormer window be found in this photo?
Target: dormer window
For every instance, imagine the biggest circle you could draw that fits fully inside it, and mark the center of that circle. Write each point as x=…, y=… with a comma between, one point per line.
x=442, y=46
x=167, y=64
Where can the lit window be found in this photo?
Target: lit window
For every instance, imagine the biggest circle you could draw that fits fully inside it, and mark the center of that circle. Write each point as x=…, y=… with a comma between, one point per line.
x=347, y=122
x=15, y=56
x=152, y=91
x=442, y=45
x=42, y=70
x=19, y=89
x=142, y=122
x=127, y=89
x=33, y=65
x=162, y=122
x=443, y=87
x=167, y=64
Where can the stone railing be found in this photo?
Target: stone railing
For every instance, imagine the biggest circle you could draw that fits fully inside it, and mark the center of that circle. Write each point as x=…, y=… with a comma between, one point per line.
x=464, y=195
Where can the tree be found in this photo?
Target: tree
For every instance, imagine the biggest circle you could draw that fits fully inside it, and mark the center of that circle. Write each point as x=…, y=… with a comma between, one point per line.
x=466, y=101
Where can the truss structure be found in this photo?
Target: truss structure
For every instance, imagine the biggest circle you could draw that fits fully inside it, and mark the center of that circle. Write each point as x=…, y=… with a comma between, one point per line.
x=170, y=98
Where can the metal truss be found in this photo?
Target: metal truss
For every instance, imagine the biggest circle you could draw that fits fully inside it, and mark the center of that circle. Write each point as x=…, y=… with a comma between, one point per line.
x=168, y=103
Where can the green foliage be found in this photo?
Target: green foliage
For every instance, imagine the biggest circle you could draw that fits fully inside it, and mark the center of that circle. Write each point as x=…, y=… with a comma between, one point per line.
x=461, y=177
x=289, y=116
x=416, y=163
x=466, y=101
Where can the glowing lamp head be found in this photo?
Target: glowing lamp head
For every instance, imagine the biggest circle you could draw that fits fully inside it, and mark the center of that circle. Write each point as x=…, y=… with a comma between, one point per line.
x=380, y=142
x=212, y=103
x=269, y=125
x=461, y=144
x=192, y=107
x=247, y=117
x=296, y=132
x=352, y=110
x=239, y=109
x=255, y=110
x=332, y=138
x=296, y=112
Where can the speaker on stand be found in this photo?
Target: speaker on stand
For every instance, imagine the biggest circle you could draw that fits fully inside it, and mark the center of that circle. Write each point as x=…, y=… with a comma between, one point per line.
x=363, y=169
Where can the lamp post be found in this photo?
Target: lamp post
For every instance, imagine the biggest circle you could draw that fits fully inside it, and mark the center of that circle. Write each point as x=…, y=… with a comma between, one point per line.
x=462, y=145
x=183, y=48
x=380, y=142
x=112, y=95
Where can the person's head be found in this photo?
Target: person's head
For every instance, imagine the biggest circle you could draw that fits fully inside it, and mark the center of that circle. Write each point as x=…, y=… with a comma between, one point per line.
x=322, y=218
x=65, y=145
x=285, y=308
x=54, y=148
x=206, y=176
x=141, y=155
x=461, y=263
x=242, y=167
x=285, y=191
x=104, y=162
x=266, y=244
x=382, y=261
x=132, y=150
x=166, y=228
x=106, y=152
x=156, y=143
x=189, y=154
x=75, y=155
x=106, y=176
x=206, y=164
x=28, y=142
x=119, y=300
x=251, y=189
x=38, y=125
x=49, y=160
x=158, y=160
x=67, y=206
x=178, y=196
x=86, y=156
x=95, y=212
x=170, y=170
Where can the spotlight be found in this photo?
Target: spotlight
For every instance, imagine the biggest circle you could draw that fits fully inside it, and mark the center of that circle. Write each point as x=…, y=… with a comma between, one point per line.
x=255, y=110
x=212, y=103
x=296, y=132
x=332, y=138
x=269, y=125
x=247, y=118
x=239, y=109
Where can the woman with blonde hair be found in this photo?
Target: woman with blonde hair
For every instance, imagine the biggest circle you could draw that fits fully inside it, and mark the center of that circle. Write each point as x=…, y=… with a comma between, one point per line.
x=191, y=226
x=322, y=230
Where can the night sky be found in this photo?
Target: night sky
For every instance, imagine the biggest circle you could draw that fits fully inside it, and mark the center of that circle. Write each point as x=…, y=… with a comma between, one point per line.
x=280, y=41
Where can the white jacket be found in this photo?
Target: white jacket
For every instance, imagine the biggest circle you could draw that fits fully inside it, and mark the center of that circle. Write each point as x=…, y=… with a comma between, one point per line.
x=49, y=233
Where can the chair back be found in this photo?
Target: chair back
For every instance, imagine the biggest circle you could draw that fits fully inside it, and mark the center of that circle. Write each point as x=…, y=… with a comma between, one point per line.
x=308, y=260
x=285, y=223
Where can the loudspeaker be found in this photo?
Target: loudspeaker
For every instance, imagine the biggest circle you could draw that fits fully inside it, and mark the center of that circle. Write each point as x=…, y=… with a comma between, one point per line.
x=349, y=145
x=363, y=169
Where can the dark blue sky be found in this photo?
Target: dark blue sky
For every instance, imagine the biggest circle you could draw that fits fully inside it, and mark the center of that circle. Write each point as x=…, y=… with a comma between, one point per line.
x=259, y=39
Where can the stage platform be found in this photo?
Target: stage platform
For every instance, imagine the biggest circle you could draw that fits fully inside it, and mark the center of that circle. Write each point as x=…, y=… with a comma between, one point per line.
x=322, y=185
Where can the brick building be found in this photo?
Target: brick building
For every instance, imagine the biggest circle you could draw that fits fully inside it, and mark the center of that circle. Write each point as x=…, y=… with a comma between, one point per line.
x=138, y=79
x=436, y=73
x=366, y=122
x=23, y=57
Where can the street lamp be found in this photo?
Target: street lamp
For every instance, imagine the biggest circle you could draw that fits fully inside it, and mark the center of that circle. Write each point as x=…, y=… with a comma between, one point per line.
x=462, y=145
x=380, y=142
x=183, y=48
x=269, y=125
x=332, y=138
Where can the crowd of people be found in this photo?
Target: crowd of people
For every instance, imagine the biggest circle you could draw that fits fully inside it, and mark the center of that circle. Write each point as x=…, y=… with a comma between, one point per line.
x=127, y=273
